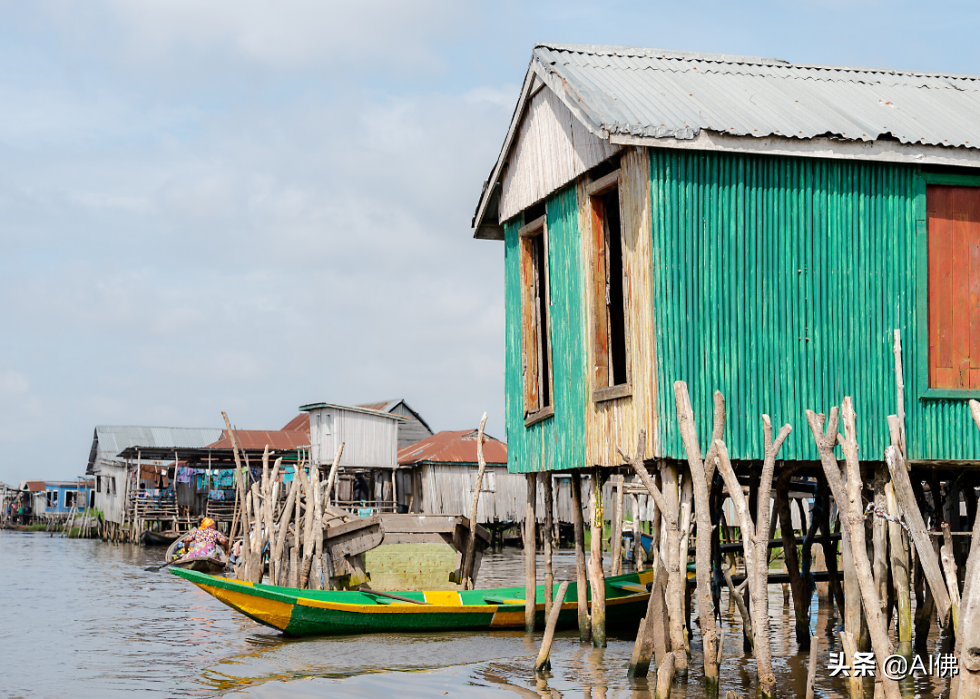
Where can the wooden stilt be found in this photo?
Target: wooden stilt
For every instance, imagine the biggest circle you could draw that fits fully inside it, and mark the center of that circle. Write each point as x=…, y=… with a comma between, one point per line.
x=474, y=505
x=900, y=575
x=652, y=636
x=637, y=534
x=549, y=575
x=581, y=578
x=801, y=604
x=755, y=537
x=702, y=475
x=880, y=564
x=676, y=574
x=852, y=522
x=616, y=528
x=543, y=663
x=530, y=554
x=665, y=676
x=596, y=574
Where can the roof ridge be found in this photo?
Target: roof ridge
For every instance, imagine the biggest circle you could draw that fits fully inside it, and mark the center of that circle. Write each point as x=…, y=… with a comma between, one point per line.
x=602, y=50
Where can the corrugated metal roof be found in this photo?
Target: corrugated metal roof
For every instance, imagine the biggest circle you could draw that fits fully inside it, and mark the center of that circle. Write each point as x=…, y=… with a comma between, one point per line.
x=622, y=92
x=110, y=440
x=352, y=408
x=676, y=94
x=259, y=439
x=450, y=446
x=300, y=423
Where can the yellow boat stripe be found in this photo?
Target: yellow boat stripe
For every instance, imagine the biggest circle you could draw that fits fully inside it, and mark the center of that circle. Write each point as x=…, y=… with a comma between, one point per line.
x=632, y=587
x=270, y=611
x=443, y=598
x=645, y=577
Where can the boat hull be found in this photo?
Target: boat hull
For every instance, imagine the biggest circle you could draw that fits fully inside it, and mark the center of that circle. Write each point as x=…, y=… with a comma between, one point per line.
x=328, y=613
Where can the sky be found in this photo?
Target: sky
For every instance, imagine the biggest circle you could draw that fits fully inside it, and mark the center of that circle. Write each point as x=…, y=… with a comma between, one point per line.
x=249, y=206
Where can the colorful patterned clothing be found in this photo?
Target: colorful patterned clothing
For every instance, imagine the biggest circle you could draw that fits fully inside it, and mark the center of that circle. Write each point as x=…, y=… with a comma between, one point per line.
x=205, y=543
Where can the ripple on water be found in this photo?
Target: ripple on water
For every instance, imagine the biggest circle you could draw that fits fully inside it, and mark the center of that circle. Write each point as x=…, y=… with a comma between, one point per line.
x=84, y=619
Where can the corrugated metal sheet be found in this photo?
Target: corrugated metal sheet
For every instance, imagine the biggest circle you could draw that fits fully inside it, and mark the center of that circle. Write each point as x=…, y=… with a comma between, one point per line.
x=453, y=446
x=300, y=423
x=112, y=440
x=370, y=438
x=657, y=93
x=558, y=442
x=259, y=439
x=779, y=281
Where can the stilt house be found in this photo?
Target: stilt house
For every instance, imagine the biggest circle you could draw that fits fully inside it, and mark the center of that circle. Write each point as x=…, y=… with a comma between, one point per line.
x=742, y=224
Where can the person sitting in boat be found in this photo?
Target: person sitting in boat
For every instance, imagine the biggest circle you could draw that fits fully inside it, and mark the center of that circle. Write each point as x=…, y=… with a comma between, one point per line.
x=204, y=541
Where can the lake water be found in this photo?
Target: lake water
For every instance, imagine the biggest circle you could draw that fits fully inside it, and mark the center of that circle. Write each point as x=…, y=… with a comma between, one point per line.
x=82, y=618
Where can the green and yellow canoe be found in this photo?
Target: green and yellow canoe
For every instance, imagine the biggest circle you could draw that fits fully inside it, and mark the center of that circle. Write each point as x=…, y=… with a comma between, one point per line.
x=330, y=613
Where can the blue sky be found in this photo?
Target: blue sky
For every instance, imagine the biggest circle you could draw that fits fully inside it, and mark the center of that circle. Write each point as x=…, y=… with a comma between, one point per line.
x=247, y=206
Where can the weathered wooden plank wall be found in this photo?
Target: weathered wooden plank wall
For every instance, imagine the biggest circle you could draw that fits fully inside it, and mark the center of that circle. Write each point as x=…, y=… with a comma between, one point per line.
x=552, y=148
x=615, y=423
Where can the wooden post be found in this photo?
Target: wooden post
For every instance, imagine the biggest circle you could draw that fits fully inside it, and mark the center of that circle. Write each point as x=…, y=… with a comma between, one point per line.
x=742, y=609
x=801, y=603
x=702, y=474
x=652, y=636
x=822, y=515
x=616, y=528
x=811, y=672
x=667, y=502
x=952, y=582
x=549, y=575
x=543, y=663
x=474, y=506
x=297, y=528
x=900, y=390
x=637, y=534
x=968, y=641
x=880, y=542
x=852, y=522
x=581, y=579
x=917, y=528
x=900, y=575
x=755, y=546
x=596, y=574
x=665, y=676
x=530, y=554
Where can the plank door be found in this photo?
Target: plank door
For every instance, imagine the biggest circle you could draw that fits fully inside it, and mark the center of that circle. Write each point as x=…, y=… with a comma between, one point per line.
x=954, y=286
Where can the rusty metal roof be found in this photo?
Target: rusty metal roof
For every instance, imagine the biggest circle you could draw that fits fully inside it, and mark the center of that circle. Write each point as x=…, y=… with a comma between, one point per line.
x=258, y=439
x=36, y=486
x=300, y=423
x=451, y=446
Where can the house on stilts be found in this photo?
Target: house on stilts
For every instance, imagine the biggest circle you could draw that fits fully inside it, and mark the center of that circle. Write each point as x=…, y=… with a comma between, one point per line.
x=744, y=225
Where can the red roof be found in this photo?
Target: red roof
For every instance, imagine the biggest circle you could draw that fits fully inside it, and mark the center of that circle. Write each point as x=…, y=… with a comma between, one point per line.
x=258, y=439
x=300, y=423
x=451, y=446
x=36, y=486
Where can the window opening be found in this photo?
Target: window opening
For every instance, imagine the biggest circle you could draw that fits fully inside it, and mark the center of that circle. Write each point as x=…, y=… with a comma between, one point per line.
x=611, y=323
x=535, y=321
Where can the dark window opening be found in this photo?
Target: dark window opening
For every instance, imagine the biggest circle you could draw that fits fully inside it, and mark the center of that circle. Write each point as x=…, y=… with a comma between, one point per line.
x=541, y=310
x=615, y=308
x=533, y=213
x=535, y=320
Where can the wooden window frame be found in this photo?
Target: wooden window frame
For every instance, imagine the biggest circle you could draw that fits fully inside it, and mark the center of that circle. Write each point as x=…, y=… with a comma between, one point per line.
x=925, y=392
x=526, y=234
x=594, y=191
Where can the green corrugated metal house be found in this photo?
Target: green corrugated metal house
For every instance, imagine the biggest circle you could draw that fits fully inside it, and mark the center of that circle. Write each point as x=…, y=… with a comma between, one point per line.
x=742, y=224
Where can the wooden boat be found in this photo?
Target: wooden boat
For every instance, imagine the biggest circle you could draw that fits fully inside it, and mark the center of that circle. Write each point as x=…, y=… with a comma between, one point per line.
x=211, y=565
x=298, y=612
x=151, y=538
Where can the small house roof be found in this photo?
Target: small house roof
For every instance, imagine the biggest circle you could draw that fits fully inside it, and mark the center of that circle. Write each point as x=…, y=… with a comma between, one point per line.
x=453, y=446
x=300, y=423
x=387, y=406
x=352, y=408
x=36, y=486
x=258, y=439
x=648, y=96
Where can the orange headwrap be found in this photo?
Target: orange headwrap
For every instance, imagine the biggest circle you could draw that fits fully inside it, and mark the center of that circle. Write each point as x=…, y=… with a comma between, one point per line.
x=207, y=522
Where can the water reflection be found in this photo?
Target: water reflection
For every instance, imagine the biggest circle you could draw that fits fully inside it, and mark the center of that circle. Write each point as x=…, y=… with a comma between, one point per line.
x=82, y=618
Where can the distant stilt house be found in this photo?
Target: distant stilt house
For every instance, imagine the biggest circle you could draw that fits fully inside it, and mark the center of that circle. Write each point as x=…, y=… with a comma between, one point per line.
x=54, y=500
x=742, y=224
x=370, y=457
x=115, y=476
x=410, y=430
